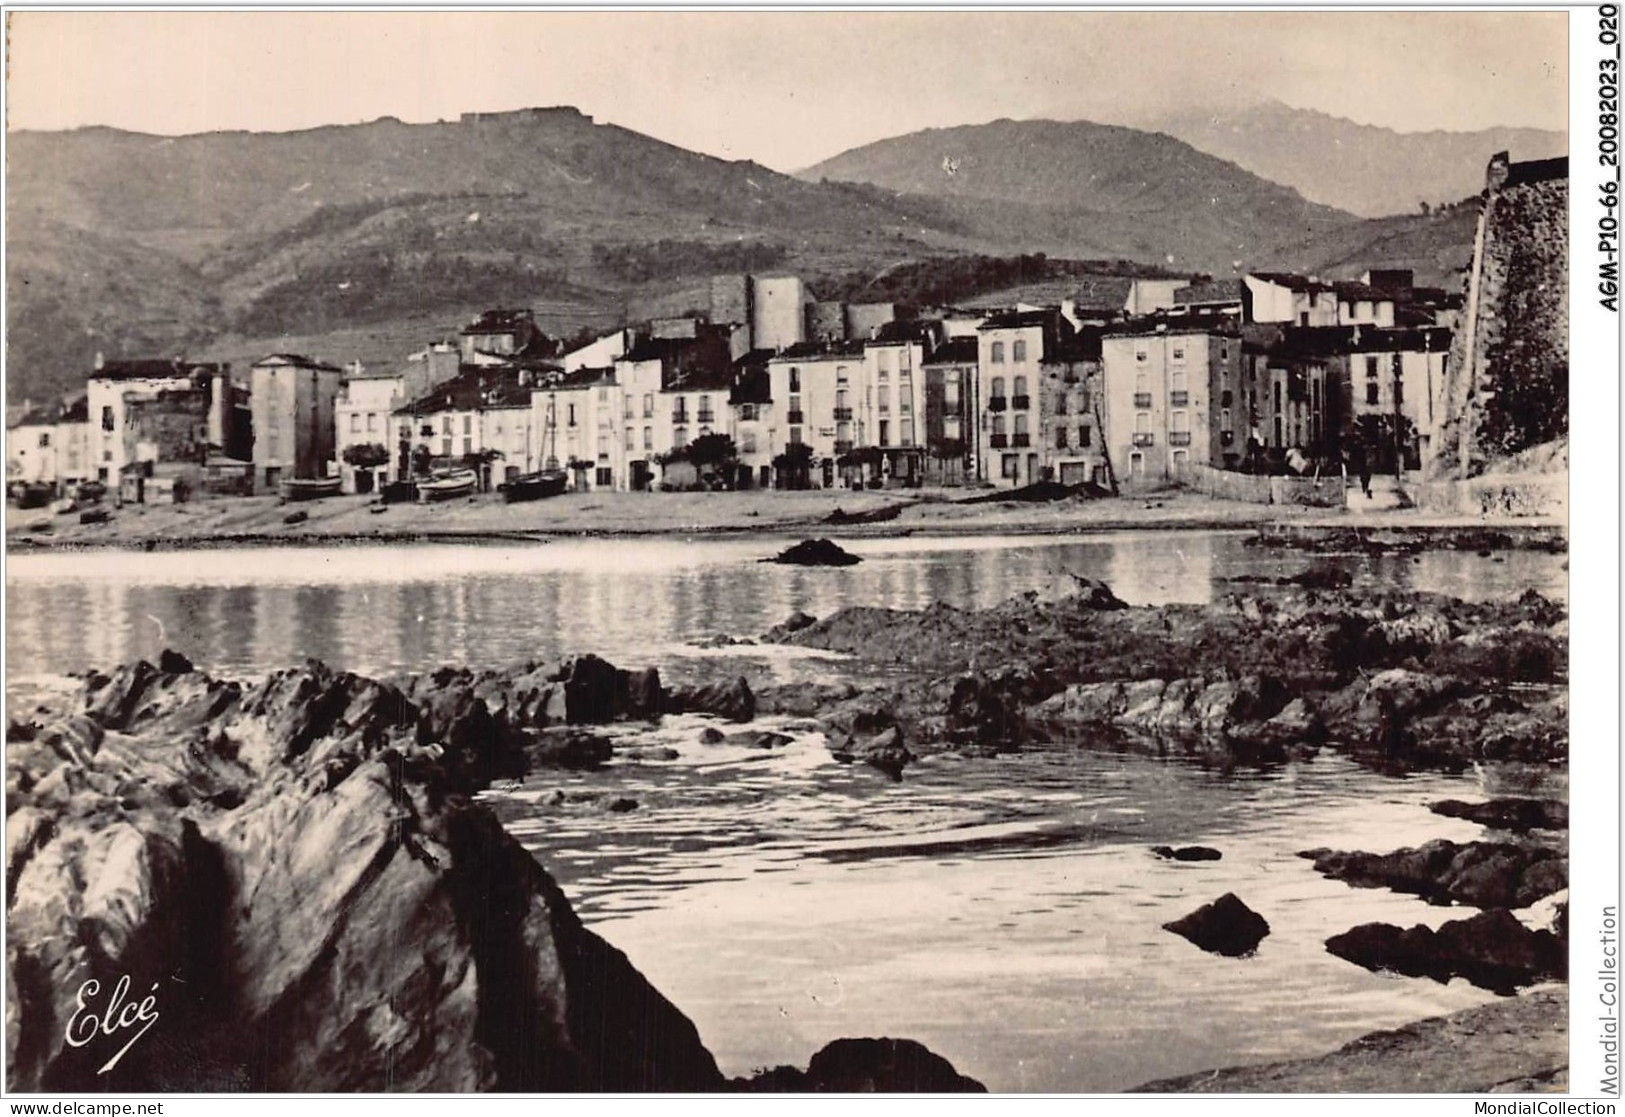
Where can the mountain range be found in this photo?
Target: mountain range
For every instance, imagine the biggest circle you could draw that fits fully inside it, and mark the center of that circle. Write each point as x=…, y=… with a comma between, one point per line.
x=1360, y=168
x=362, y=241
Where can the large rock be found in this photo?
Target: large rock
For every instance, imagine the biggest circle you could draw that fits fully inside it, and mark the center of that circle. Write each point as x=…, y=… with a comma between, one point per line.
x=868, y=1066
x=1492, y=950
x=353, y=922
x=1483, y=874
x=1226, y=926
x=730, y=699
x=883, y=750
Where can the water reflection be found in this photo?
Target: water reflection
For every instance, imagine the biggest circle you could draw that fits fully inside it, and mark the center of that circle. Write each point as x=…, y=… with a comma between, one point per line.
x=379, y=609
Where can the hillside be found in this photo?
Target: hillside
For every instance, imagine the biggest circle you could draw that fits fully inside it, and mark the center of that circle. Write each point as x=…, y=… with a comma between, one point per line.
x=133, y=244
x=1437, y=246
x=1099, y=187
x=1366, y=170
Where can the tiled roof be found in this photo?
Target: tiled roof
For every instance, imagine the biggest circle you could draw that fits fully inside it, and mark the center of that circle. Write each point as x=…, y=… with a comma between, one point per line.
x=473, y=389
x=1021, y=319
x=153, y=369
x=901, y=333
x=1292, y=282
x=820, y=351
x=297, y=360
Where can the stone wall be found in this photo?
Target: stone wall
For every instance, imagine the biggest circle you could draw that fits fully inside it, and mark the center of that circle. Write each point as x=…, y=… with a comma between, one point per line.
x=1223, y=484
x=1506, y=385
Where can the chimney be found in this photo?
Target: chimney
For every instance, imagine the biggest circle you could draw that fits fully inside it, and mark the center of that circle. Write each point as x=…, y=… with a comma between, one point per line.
x=101, y=361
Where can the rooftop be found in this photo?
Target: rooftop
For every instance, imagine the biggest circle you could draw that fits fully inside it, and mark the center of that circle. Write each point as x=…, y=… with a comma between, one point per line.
x=473, y=389
x=154, y=369
x=955, y=351
x=1332, y=341
x=820, y=351
x=294, y=360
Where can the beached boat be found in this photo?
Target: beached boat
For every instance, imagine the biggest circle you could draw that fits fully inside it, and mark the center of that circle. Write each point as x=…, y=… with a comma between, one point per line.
x=535, y=486
x=310, y=488
x=449, y=485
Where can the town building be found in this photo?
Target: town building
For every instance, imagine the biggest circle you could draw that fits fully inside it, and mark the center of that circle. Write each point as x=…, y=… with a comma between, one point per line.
x=887, y=406
x=1011, y=350
x=673, y=389
x=504, y=335
x=480, y=420
x=1070, y=438
x=574, y=424
x=292, y=400
x=163, y=420
x=1170, y=387
x=755, y=419
x=950, y=412
x=817, y=391
x=371, y=447
x=51, y=446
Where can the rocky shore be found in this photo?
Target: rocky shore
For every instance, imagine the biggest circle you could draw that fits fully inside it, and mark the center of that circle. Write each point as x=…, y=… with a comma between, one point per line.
x=297, y=873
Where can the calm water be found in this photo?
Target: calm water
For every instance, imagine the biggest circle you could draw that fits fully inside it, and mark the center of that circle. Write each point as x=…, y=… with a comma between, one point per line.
x=1005, y=912
x=379, y=609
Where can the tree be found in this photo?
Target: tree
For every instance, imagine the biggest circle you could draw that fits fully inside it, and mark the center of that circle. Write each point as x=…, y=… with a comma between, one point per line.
x=793, y=467
x=710, y=452
x=366, y=455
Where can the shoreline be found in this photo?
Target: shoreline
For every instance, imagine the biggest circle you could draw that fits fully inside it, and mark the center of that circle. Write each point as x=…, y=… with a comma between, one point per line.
x=257, y=522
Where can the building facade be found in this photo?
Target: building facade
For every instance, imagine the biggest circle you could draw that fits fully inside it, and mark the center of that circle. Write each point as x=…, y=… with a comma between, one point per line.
x=1166, y=385
x=292, y=400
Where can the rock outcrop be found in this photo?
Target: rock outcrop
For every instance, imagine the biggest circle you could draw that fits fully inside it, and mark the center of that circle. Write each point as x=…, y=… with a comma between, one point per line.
x=1399, y=679
x=868, y=1066
x=288, y=886
x=1493, y=950
x=1482, y=874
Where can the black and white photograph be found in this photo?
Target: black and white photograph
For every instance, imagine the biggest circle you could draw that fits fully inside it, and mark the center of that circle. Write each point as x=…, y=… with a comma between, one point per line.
x=809, y=552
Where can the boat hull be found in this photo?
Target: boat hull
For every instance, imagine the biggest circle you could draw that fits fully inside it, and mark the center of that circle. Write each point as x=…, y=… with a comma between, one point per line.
x=533, y=486
x=314, y=489
x=449, y=487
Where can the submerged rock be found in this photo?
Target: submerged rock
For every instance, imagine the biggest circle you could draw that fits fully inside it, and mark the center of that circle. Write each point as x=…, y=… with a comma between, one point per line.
x=1483, y=874
x=1515, y=815
x=1226, y=926
x=1493, y=950
x=815, y=552
x=1187, y=853
x=883, y=750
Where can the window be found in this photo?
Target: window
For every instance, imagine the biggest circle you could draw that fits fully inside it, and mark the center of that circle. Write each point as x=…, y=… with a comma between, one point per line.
x=1010, y=466
x=603, y=446
x=570, y=415
x=1018, y=351
x=45, y=440
x=1142, y=383
x=606, y=477
x=355, y=423
x=1224, y=419
x=1142, y=423
x=1179, y=352
x=795, y=379
x=1142, y=355
x=648, y=405
x=631, y=441
x=1180, y=421
x=905, y=432
x=997, y=356
x=747, y=412
x=1399, y=391
x=885, y=432
x=883, y=362
x=468, y=446
x=1083, y=435
x=998, y=387
x=705, y=409
x=445, y=447
x=998, y=426
x=648, y=438
x=628, y=407
x=445, y=425
x=107, y=418
x=950, y=390
x=747, y=442
x=795, y=436
x=1021, y=388
x=1371, y=368
x=1176, y=380
x=1060, y=404
x=1373, y=392
x=679, y=437
x=840, y=374
x=1060, y=438
x=371, y=422
x=468, y=424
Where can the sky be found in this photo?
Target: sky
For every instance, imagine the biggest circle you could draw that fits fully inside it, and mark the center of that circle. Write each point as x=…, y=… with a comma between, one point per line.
x=786, y=89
